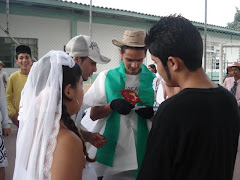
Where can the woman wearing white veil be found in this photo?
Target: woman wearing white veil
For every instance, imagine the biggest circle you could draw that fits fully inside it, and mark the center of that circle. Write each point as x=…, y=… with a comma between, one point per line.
x=48, y=143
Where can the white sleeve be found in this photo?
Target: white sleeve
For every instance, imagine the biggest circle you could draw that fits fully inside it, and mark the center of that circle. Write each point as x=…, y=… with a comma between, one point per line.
x=3, y=107
x=20, y=106
x=96, y=95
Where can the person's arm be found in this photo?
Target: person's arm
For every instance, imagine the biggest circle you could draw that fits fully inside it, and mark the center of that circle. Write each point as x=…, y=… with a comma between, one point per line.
x=14, y=119
x=95, y=139
x=237, y=95
x=5, y=79
x=6, y=131
x=99, y=112
x=9, y=94
x=3, y=109
x=68, y=158
x=121, y=106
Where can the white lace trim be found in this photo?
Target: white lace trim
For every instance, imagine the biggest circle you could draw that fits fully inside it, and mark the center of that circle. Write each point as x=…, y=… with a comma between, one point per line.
x=50, y=149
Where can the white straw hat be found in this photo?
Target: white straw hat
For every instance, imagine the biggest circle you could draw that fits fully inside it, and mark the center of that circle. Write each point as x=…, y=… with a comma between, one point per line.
x=132, y=39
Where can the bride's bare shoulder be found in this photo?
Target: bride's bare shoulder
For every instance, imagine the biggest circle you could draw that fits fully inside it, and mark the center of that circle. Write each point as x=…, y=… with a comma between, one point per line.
x=68, y=157
x=66, y=136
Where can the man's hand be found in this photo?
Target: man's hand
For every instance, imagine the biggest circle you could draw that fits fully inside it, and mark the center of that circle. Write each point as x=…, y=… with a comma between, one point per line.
x=97, y=140
x=15, y=120
x=6, y=131
x=146, y=112
x=121, y=106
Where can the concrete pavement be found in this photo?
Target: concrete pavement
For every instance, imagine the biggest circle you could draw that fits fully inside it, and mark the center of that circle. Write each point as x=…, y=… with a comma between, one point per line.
x=10, y=143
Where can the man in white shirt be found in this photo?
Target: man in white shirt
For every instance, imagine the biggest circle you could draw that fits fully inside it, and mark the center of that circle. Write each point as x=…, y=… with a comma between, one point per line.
x=123, y=121
x=84, y=50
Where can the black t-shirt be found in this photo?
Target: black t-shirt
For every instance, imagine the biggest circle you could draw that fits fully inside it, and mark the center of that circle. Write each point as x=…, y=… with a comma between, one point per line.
x=194, y=136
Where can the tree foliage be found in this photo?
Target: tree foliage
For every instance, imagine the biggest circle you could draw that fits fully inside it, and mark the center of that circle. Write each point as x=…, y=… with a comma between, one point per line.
x=236, y=23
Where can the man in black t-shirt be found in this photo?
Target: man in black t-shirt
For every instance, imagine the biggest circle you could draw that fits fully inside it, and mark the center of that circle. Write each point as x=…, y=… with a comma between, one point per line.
x=195, y=133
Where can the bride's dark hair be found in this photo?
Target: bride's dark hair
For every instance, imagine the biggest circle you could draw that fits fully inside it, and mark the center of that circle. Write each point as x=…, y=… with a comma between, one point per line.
x=72, y=76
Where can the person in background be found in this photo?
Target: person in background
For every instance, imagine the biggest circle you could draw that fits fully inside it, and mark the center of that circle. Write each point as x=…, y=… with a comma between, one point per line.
x=162, y=91
x=158, y=87
x=4, y=130
x=49, y=145
x=85, y=52
x=121, y=120
x=17, y=81
x=194, y=134
x=152, y=68
x=228, y=73
x=232, y=84
x=3, y=75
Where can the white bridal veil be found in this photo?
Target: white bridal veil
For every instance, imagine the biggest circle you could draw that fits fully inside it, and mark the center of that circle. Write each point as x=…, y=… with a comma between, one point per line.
x=40, y=112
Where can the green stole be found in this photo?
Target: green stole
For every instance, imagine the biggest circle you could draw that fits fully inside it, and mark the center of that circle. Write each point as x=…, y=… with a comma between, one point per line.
x=114, y=83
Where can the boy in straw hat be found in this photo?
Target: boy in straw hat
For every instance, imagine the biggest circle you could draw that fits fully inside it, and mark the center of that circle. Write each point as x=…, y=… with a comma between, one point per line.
x=124, y=116
x=232, y=83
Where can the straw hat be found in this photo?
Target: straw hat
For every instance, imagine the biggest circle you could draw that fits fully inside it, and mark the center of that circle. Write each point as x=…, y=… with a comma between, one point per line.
x=2, y=63
x=132, y=39
x=234, y=64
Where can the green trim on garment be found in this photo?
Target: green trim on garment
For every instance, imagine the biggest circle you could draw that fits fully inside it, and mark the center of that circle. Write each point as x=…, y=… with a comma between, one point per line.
x=114, y=83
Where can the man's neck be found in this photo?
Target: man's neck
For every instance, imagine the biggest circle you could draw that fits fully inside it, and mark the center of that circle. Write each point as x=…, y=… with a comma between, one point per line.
x=24, y=72
x=195, y=79
x=236, y=78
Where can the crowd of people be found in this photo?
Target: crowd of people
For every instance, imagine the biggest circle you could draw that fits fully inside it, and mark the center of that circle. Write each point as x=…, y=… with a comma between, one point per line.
x=166, y=122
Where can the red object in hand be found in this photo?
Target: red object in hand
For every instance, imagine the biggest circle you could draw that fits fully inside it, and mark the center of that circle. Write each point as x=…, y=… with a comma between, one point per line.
x=130, y=96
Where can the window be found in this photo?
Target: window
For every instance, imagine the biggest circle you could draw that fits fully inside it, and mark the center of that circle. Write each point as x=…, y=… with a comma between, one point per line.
x=8, y=49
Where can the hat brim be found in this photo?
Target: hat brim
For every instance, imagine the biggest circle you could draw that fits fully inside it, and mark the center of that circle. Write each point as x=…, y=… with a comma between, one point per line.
x=101, y=60
x=121, y=43
x=234, y=65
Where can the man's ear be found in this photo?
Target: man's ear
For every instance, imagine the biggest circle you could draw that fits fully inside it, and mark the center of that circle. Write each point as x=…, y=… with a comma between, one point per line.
x=173, y=63
x=68, y=91
x=78, y=60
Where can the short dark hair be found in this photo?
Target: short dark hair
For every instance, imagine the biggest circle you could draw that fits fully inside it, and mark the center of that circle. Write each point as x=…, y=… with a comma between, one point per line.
x=176, y=36
x=153, y=67
x=83, y=58
x=123, y=48
x=23, y=49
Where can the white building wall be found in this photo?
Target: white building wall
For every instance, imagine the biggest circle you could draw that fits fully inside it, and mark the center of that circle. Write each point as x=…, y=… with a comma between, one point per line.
x=229, y=54
x=51, y=33
x=55, y=33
